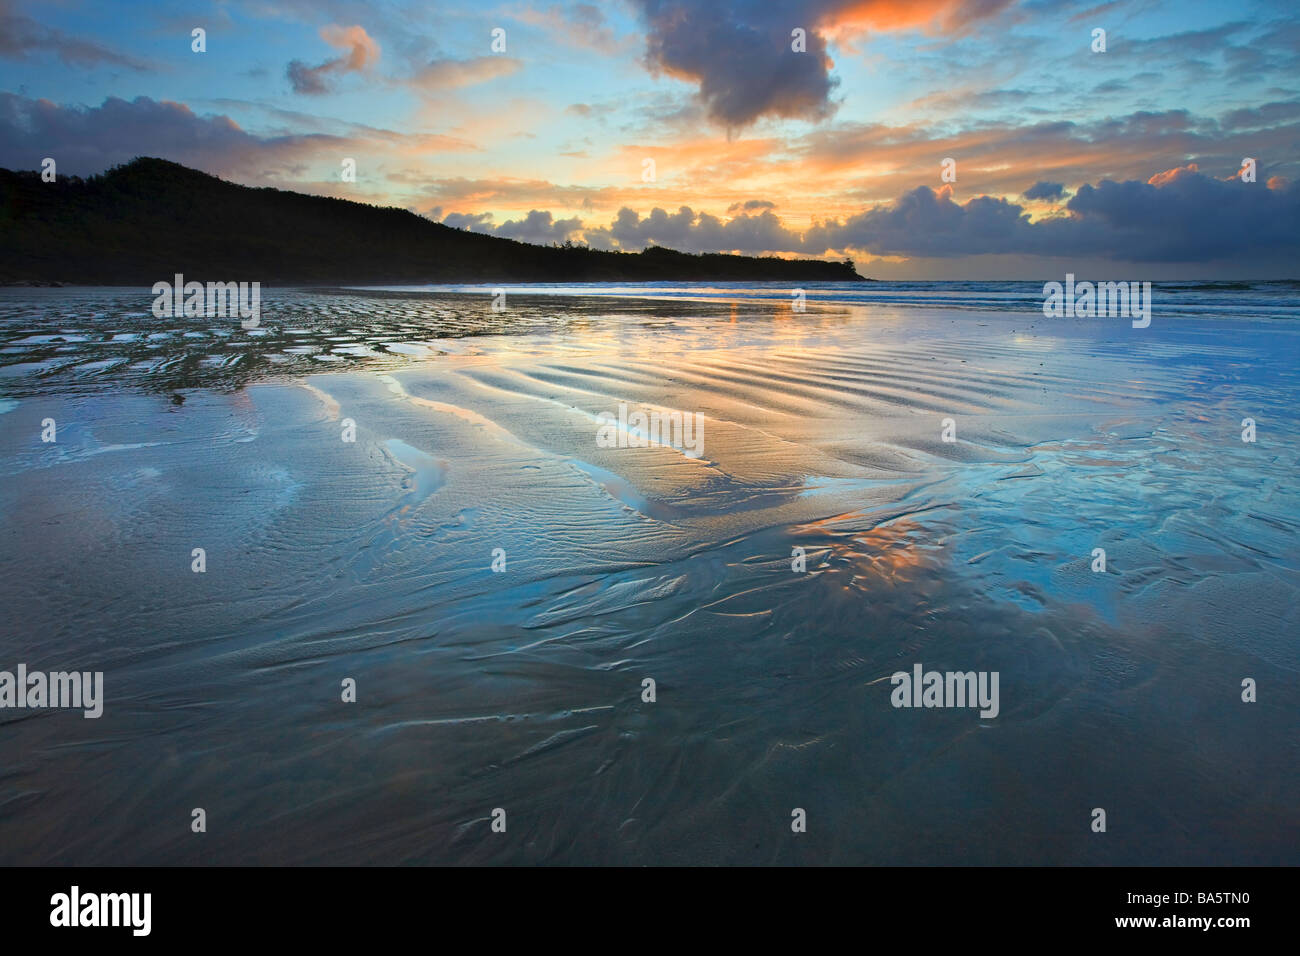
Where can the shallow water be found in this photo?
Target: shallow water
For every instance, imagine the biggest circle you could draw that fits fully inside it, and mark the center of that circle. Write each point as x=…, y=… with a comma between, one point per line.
x=521, y=689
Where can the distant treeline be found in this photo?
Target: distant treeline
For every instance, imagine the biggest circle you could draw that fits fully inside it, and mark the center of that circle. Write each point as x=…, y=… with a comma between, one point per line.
x=144, y=221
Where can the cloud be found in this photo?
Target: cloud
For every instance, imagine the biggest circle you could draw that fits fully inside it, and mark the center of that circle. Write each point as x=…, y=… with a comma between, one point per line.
x=869, y=163
x=929, y=224
x=1169, y=175
x=21, y=36
x=1261, y=117
x=471, y=221
x=1178, y=216
x=691, y=231
x=540, y=228
x=740, y=56
x=306, y=79
x=739, y=53
x=1185, y=216
x=362, y=53
x=514, y=194
x=596, y=111
x=450, y=74
x=580, y=25
x=686, y=230
x=1045, y=190
x=1194, y=213
x=88, y=140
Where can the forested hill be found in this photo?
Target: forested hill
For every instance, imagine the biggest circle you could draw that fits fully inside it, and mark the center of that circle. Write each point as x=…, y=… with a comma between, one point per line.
x=149, y=219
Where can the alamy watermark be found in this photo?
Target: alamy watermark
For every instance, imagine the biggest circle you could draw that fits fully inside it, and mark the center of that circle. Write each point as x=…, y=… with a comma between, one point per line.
x=950, y=689
x=75, y=909
x=181, y=299
x=1089, y=300
x=681, y=430
x=56, y=689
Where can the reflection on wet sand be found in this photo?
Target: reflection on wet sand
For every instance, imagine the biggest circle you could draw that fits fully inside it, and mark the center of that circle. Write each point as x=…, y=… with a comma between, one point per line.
x=499, y=585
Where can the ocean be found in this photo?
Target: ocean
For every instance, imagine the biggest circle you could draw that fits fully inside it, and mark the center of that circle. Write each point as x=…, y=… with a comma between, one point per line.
x=437, y=575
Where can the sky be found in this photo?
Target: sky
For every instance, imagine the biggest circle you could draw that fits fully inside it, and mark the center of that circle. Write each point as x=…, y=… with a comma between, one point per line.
x=813, y=128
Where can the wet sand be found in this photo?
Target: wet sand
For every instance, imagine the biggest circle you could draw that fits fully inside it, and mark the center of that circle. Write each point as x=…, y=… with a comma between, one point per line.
x=522, y=689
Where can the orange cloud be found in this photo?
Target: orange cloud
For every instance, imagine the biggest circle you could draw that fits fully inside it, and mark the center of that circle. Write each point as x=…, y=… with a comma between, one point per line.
x=1169, y=175
x=363, y=51
x=454, y=74
x=881, y=15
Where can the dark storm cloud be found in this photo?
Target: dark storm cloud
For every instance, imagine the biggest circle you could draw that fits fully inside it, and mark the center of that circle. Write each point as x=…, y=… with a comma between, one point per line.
x=739, y=52
x=1179, y=216
x=929, y=224
x=1045, y=190
x=1188, y=217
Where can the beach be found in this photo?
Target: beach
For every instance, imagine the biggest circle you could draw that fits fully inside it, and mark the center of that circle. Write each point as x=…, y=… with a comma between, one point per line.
x=499, y=585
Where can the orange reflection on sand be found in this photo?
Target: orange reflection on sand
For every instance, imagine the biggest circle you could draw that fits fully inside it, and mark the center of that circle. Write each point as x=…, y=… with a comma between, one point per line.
x=887, y=551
